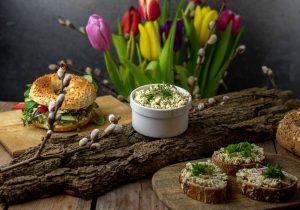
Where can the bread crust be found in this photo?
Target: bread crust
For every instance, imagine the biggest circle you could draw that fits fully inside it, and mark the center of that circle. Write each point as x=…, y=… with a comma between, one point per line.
x=288, y=133
x=79, y=94
x=203, y=194
x=232, y=169
x=267, y=194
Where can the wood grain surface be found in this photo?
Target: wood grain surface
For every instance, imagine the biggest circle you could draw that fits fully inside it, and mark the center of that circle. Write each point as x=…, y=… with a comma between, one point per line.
x=166, y=185
x=145, y=199
x=16, y=138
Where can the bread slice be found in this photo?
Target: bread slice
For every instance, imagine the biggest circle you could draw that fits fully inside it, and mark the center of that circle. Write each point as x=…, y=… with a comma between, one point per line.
x=205, y=188
x=231, y=164
x=254, y=188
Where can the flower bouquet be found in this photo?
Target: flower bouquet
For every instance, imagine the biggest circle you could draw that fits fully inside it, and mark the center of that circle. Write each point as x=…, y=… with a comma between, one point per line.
x=192, y=50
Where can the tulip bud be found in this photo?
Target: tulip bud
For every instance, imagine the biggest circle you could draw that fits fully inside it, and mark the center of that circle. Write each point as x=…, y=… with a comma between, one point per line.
x=149, y=9
x=212, y=39
x=225, y=18
x=98, y=33
x=130, y=22
x=67, y=80
x=149, y=35
x=51, y=106
x=60, y=99
x=95, y=134
x=165, y=29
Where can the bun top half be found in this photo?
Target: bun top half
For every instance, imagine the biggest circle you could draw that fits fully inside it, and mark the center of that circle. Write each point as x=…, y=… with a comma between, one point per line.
x=79, y=94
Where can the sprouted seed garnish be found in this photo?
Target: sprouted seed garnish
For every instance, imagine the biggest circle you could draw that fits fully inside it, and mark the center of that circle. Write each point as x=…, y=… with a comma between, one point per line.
x=161, y=96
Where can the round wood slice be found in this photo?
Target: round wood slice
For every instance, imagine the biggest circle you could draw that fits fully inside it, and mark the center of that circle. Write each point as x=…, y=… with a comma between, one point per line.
x=166, y=186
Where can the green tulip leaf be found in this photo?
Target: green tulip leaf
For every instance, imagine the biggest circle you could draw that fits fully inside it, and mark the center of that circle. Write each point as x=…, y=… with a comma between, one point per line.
x=221, y=50
x=164, y=14
x=120, y=45
x=167, y=55
x=204, y=74
x=113, y=73
x=183, y=74
x=128, y=81
x=139, y=74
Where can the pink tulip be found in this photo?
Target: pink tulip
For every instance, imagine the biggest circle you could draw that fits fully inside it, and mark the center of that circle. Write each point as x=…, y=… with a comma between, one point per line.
x=149, y=9
x=98, y=33
x=225, y=18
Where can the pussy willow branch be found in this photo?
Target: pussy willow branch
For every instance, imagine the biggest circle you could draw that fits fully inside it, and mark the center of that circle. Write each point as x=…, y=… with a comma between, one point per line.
x=48, y=134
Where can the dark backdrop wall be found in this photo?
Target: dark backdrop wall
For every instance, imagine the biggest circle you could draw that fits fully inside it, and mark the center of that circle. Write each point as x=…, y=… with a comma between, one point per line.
x=31, y=39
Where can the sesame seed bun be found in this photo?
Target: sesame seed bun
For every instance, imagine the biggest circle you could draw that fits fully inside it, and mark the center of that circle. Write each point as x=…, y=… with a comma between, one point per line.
x=79, y=94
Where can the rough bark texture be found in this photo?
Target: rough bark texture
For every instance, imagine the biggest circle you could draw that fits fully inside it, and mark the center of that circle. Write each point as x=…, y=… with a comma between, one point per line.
x=251, y=115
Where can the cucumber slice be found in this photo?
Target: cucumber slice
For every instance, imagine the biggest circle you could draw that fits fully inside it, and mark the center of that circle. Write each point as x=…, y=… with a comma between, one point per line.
x=68, y=118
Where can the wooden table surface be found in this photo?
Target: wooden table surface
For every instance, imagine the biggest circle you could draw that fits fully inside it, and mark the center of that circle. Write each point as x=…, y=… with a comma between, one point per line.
x=133, y=196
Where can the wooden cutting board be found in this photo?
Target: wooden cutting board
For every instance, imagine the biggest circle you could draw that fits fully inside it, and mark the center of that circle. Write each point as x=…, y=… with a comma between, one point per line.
x=165, y=183
x=16, y=138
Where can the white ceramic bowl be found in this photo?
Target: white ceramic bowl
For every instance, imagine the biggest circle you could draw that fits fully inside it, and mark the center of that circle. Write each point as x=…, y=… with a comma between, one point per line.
x=159, y=123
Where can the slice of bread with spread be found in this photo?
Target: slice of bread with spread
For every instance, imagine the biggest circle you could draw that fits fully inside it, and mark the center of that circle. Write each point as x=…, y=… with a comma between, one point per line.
x=237, y=156
x=267, y=183
x=204, y=181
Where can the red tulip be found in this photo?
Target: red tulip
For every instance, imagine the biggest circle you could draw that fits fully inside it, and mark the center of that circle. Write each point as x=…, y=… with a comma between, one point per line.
x=225, y=18
x=149, y=9
x=98, y=33
x=130, y=22
x=197, y=1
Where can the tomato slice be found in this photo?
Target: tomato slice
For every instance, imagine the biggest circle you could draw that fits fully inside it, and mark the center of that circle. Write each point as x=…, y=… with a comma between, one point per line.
x=81, y=110
x=19, y=106
x=43, y=109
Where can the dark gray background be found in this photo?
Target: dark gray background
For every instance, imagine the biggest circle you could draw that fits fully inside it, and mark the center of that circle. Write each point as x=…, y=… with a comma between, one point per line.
x=31, y=39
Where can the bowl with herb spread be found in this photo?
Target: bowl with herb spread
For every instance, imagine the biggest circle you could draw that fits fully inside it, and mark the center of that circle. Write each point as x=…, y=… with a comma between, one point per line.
x=160, y=110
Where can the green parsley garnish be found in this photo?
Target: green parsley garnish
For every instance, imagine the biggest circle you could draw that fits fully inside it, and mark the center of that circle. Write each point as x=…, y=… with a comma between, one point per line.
x=149, y=96
x=273, y=172
x=165, y=91
x=244, y=148
x=200, y=168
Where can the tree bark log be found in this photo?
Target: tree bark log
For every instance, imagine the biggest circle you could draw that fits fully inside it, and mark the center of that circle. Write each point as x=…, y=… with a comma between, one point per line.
x=248, y=115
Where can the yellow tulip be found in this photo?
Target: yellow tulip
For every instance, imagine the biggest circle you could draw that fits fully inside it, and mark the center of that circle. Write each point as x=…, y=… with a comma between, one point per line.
x=203, y=16
x=149, y=40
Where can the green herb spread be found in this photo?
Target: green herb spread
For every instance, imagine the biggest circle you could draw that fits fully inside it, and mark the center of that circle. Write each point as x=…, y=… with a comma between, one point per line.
x=161, y=96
